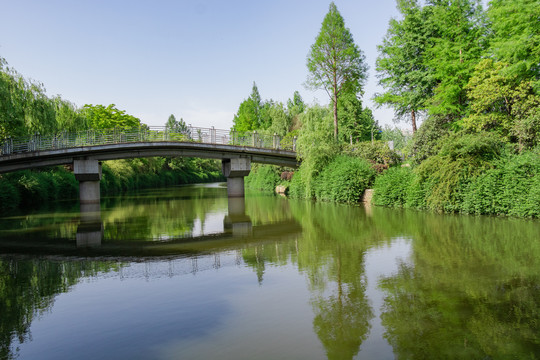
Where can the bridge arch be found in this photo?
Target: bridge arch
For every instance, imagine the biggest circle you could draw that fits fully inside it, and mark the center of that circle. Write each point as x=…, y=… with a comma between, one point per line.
x=86, y=150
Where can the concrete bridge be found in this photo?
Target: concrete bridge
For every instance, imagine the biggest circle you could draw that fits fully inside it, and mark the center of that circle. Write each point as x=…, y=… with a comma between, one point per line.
x=86, y=150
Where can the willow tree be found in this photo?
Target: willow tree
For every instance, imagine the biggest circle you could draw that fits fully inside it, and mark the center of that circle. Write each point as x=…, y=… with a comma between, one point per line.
x=334, y=62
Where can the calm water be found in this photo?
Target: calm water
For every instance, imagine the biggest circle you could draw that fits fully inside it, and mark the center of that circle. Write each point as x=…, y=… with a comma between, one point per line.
x=181, y=273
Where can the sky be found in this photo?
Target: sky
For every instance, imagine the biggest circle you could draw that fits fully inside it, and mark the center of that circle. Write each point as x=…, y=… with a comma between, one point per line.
x=195, y=59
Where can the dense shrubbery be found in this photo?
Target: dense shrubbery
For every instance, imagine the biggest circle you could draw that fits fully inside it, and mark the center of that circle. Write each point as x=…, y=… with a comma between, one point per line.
x=264, y=178
x=344, y=179
x=472, y=174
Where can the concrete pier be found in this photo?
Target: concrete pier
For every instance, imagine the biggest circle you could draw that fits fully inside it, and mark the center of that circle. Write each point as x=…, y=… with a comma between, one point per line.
x=235, y=169
x=88, y=173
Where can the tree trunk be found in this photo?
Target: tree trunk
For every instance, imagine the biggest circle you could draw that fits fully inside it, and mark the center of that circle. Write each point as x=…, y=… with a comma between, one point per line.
x=413, y=120
x=335, y=119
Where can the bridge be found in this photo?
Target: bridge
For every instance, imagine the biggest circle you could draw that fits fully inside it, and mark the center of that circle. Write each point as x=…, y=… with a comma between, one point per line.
x=85, y=150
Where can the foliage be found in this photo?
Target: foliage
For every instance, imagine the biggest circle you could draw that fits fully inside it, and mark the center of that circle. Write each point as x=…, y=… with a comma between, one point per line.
x=263, y=177
x=391, y=187
x=511, y=187
x=500, y=103
x=460, y=42
x=428, y=139
x=334, y=62
x=344, y=180
x=248, y=116
x=315, y=145
x=401, y=65
x=442, y=178
x=101, y=117
x=354, y=121
x=400, y=139
x=516, y=39
x=24, y=107
x=376, y=152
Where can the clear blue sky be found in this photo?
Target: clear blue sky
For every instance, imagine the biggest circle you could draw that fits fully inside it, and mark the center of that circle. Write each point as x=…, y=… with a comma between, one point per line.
x=194, y=59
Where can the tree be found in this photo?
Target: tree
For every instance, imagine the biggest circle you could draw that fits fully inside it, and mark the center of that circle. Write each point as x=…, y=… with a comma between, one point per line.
x=401, y=66
x=461, y=41
x=334, y=62
x=248, y=116
x=355, y=121
x=516, y=40
x=101, y=117
x=178, y=126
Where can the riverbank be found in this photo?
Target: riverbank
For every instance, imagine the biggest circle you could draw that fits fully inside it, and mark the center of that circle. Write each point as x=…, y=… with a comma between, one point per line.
x=483, y=179
x=30, y=188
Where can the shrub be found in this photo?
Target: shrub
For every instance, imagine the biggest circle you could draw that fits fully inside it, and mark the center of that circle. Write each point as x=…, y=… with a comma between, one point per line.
x=442, y=179
x=391, y=188
x=378, y=152
x=344, y=179
x=512, y=187
x=263, y=177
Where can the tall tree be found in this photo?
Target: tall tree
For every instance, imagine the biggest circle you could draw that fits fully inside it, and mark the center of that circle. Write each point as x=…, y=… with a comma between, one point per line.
x=334, y=62
x=248, y=115
x=516, y=40
x=401, y=67
x=460, y=43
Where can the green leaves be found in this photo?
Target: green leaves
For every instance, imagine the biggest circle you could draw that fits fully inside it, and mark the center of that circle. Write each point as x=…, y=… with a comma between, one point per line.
x=334, y=62
x=101, y=117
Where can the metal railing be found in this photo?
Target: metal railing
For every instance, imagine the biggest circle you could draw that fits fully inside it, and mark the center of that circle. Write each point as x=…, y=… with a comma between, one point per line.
x=65, y=140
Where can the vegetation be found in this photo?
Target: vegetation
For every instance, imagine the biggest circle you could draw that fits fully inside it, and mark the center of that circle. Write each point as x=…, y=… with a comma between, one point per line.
x=335, y=62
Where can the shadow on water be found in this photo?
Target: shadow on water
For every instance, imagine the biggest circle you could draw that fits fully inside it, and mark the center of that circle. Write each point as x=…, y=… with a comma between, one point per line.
x=470, y=288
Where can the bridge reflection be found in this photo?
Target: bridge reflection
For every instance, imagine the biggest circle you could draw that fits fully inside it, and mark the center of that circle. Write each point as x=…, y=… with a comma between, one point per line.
x=90, y=239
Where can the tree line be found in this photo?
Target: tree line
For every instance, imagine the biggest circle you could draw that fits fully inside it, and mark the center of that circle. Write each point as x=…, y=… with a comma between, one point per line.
x=472, y=76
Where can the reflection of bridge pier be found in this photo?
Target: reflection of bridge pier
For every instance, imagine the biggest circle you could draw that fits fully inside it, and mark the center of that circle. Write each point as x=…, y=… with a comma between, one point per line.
x=236, y=221
x=90, y=229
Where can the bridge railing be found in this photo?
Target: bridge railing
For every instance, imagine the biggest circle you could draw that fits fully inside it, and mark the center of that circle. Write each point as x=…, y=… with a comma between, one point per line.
x=65, y=140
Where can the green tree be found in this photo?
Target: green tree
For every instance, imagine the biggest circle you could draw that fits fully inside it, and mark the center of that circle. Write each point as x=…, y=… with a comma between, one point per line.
x=248, y=116
x=355, y=120
x=461, y=40
x=178, y=126
x=502, y=103
x=101, y=117
x=334, y=62
x=516, y=39
x=401, y=64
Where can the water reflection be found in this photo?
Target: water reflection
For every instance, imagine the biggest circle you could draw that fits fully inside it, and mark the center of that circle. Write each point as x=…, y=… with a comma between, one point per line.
x=470, y=288
x=90, y=229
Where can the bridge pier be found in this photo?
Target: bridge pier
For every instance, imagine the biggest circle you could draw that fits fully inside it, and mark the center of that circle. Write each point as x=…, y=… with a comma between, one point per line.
x=235, y=169
x=88, y=173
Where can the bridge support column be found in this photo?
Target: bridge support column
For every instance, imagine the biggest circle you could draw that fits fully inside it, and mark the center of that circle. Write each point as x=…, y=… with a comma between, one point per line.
x=88, y=173
x=235, y=169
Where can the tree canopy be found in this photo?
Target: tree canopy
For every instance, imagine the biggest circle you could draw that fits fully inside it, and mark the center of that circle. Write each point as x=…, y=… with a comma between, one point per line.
x=335, y=62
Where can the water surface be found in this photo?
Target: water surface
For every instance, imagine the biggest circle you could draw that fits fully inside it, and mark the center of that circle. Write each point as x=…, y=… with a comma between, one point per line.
x=183, y=273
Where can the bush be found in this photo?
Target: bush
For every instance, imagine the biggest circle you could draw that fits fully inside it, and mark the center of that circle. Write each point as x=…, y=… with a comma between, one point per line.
x=263, y=177
x=392, y=187
x=344, y=180
x=377, y=152
x=512, y=187
x=442, y=179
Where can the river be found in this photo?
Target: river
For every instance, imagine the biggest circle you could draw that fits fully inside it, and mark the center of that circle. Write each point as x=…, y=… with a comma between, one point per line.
x=183, y=273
